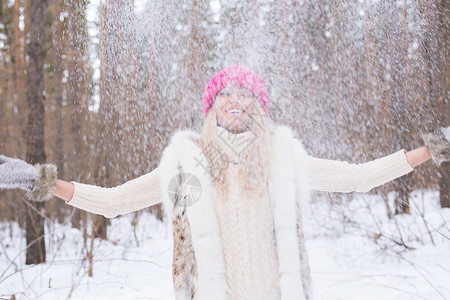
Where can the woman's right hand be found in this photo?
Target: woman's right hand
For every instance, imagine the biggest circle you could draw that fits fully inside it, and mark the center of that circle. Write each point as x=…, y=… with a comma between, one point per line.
x=64, y=190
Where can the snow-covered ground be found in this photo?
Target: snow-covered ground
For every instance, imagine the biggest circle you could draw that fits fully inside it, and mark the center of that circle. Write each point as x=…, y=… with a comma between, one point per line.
x=345, y=261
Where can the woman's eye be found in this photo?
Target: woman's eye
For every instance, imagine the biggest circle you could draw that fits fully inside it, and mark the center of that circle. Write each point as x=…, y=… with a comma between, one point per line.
x=246, y=95
x=225, y=94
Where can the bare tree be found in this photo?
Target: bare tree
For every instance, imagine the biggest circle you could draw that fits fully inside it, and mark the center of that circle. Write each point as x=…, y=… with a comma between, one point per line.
x=444, y=109
x=35, y=129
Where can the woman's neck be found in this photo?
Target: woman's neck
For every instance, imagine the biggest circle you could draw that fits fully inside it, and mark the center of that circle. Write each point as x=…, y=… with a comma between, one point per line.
x=233, y=143
x=241, y=130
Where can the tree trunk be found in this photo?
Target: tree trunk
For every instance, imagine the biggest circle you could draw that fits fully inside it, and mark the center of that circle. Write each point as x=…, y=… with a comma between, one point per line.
x=35, y=129
x=19, y=84
x=58, y=89
x=444, y=181
x=403, y=190
x=74, y=98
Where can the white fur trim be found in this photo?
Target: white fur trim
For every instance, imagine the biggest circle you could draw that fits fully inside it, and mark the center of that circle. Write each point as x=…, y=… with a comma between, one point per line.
x=282, y=183
x=303, y=189
x=202, y=220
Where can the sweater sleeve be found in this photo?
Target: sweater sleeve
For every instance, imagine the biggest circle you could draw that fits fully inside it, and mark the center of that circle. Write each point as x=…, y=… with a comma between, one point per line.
x=133, y=195
x=337, y=176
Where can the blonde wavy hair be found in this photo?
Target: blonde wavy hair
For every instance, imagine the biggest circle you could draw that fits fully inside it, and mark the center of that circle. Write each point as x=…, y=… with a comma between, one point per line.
x=253, y=160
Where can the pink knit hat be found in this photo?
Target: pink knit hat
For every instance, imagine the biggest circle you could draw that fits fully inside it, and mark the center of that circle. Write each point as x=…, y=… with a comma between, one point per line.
x=239, y=76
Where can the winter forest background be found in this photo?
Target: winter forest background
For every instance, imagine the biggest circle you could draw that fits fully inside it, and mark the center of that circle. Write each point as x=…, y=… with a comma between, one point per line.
x=98, y=87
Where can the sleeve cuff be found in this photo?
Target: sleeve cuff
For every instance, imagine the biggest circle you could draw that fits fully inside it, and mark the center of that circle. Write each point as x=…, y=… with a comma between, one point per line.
x=391, y=167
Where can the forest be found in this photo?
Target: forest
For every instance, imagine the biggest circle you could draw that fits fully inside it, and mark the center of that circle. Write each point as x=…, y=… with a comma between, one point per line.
x=98, y=87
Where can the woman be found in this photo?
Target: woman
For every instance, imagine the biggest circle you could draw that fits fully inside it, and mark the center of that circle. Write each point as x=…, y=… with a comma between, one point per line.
x=233, y=194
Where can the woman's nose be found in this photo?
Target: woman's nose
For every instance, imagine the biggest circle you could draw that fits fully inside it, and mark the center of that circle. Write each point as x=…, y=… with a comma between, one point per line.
x=234, y=97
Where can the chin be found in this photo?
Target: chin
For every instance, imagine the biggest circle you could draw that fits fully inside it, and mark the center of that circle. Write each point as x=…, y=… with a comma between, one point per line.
x=237, y=126
x=237, y=129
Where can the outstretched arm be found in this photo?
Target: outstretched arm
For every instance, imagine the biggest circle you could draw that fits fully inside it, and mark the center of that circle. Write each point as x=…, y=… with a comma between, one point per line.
x=338, y=176
x=133, y=195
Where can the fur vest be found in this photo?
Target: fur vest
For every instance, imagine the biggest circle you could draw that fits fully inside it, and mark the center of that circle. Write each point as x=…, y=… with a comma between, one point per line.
x=198, y=263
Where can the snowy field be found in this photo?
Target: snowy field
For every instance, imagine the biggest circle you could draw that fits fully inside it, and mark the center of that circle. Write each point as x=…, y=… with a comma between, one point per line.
x=345, y=260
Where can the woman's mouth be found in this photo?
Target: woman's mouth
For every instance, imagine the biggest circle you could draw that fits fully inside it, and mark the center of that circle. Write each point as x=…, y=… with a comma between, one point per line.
x=234, y=111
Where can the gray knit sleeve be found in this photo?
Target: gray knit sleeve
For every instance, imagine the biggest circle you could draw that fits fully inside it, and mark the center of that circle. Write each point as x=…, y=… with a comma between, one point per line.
x=338, y=176
x=133, y=195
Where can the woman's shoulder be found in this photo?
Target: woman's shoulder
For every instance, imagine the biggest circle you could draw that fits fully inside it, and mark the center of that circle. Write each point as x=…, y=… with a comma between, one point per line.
x=283, y=131
x=182, y=136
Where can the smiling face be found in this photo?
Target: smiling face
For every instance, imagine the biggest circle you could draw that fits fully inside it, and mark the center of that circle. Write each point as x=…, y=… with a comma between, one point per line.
x=234, y=106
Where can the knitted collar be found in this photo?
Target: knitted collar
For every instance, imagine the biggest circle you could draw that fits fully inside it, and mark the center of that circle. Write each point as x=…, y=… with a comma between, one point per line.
x=232, y=144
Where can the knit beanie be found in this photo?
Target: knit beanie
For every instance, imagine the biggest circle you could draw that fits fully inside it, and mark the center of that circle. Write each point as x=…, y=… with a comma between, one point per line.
x=239, y=76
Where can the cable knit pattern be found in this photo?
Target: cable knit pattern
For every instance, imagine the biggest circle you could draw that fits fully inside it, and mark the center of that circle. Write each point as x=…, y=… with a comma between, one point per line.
x=133, y=195
x=247, y=234
x=339, y=176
